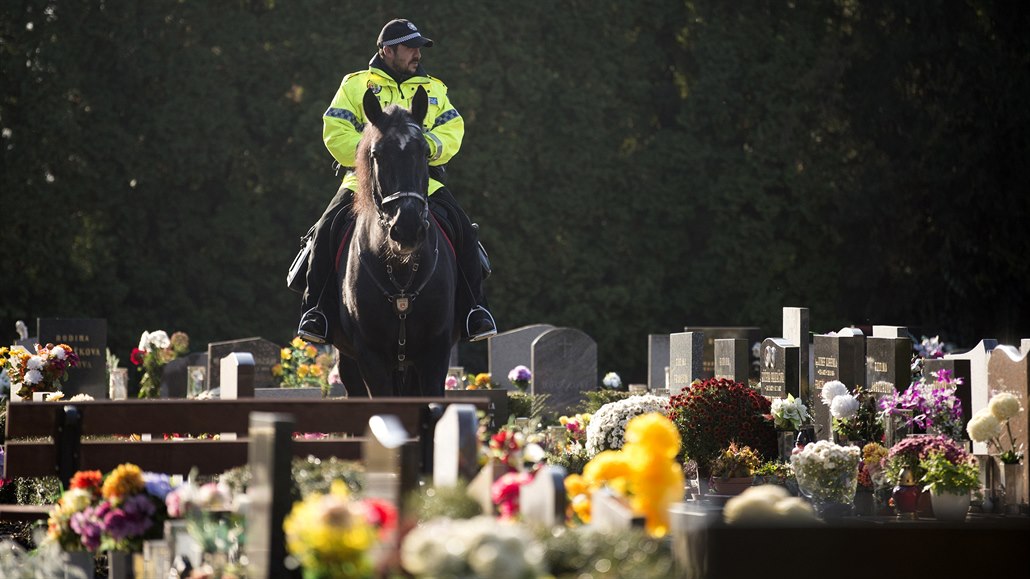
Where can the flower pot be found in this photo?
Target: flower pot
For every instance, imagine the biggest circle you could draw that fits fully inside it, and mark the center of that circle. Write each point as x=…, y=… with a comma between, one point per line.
x=1012, y=487
x=786, y=440
x=79, y=564
x=865, y=506
x=119, y=565
x=730, y=485
x=949, y=506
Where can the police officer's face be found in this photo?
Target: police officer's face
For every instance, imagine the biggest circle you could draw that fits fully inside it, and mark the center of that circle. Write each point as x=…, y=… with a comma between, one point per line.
x=403, y=58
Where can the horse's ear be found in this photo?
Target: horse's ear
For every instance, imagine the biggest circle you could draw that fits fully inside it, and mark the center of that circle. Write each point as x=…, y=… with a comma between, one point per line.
x=420, y=105
x=373, y=110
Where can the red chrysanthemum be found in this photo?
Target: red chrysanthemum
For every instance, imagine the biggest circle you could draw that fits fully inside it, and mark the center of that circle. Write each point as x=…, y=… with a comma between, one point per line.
x=87, y=479
x=137, y=356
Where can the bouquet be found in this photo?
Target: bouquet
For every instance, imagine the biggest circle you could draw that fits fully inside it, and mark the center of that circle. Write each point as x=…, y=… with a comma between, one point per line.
x=934, y=406
x=332, y=534
x=481, y=381
x=854, y=415
x=611, y=381
x=476, y=547
x=827, y=472
x=606, y=429
x=911, y=451
x=644, y=472
x=717, y=411
x=155, y=350
x=986, y=426
x=83, y=492
x=571, y=453
x=789, y=413
x=130, y=510
x=871, y=474
x=210, y=519
x=43, y=371
x=520, y=377
x=301, y=364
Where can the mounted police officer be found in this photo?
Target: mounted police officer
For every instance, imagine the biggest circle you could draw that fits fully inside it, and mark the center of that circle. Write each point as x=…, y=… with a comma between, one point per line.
x=394, y=74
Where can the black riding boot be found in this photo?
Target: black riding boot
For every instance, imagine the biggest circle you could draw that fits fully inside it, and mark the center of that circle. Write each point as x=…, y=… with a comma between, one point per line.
x=479, y=322
x=314, y=325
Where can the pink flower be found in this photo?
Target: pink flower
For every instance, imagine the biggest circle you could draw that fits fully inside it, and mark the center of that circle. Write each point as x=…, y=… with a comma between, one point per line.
x=505, y=492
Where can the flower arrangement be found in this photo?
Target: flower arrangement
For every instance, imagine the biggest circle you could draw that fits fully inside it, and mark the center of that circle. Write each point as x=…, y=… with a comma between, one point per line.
x=911, y=451
x=827, y=472
x=712, y=413
x=476, y=547
x=571, y=453
x=986, y=426
x=130, y=510
x=855, y=416
x=481, y=381
x=606, y=429
x=941, y=475
x=611, y=381
x=768, y=504
x=789, y=413
x=871, y=473
x=83, y=492
x=43, y=371
x=332, y=534
x=516, y=448
x=934, y=406
x=302, y=365
x=520, y=377
x=645, y=472
x=154, y=351
x=736, y=462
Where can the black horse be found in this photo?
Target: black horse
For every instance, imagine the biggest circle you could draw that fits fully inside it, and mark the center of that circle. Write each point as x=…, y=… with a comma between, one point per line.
x=398, y=288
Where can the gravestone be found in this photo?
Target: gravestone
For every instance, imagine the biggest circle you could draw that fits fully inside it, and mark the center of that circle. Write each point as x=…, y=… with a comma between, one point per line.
x=497, y=404
x=456, y=446
x=839, y=358
x=979, y=387
x=780, y=374
x=891, y=332
x=888, y=360
x=265, y=353
x=686, y=360
x=391, y=460
x=542, y=500
x=236, y=373
x=732, y=359
x=610, y=513
x=269, y=454
x=1009, y=371
x=961, y=370
x=657, y=360
x=712, y=333
x=564, y=364
x=174, y=377
x=512, y=348
x=23, y=337
x=795, y=330
x=88, y=337
x=1024, y=346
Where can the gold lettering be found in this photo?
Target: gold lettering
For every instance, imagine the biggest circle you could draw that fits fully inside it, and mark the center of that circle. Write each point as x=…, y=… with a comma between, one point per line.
x=824, y=372
x=879, y=366
x=724, y=361
x=679, y=362
x=681, y=379
x=826, y=361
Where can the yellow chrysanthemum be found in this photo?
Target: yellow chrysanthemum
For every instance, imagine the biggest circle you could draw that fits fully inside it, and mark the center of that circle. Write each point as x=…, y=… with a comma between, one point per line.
x=563, y=420
x=302, y=370
x=298, y=343
x=286, y=353
x=654, y=432
x=315, y=370
x=310, y=351
x=326, y=534
x=277, y=370
x=126, y=479
x=483, y=379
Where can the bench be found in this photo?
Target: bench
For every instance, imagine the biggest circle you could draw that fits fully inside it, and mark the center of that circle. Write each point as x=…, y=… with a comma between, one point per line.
x=58, y=439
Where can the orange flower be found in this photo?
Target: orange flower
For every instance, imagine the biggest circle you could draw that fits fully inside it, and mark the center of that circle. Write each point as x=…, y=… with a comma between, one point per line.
x=87, y=479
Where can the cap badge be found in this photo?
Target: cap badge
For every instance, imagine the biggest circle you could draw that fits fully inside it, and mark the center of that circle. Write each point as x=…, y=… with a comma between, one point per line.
x=412, y=26
x=375, y=88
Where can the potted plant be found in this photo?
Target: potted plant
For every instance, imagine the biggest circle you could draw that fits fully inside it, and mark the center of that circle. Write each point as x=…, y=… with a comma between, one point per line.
x=733, y=470
x=933, y=404
x=903, y=469
x=711, y=414
x=774, y=472
x=606, y=429
x=949, y=483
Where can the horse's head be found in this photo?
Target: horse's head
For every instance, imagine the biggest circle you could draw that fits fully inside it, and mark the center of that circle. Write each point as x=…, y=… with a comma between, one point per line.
x=394, y=172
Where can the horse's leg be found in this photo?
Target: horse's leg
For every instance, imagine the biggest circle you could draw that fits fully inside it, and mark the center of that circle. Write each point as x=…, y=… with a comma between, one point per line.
x=350, y=375
x=377, y=374
x=433, y=368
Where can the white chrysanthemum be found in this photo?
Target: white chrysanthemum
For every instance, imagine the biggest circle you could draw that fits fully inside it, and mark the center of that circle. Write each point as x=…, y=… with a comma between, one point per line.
x=35, y=363
x=80, y=398
x=1004, y=406
x=844, y=406
x=59, y=353
x=611, y=380
x=607, y=427
x=983, y=426
x=767, y=504
x=159, y=339
x=144, y=341
x=55, y=396
x=33, y=377
x=832, y=389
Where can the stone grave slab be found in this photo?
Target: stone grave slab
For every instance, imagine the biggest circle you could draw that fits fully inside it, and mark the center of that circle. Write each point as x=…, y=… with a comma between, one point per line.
x=979, y=387
x=88, y=337
x=888, y=360
x=512, y=348
x=839, y=358
x=265, y=353
x=456, y=446
x=752, y=334
x=657, y=360
x=236, y=373
x=686, y=360
x=174, y=379
x=564, y=365
x=796, y=323
x=542, y=500
x=1008, y=370
x=780, y=374
x=269, y=454
x=732, y=359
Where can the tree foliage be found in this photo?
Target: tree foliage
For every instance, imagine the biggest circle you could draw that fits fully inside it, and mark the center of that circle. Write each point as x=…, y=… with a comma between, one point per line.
x=635, y=167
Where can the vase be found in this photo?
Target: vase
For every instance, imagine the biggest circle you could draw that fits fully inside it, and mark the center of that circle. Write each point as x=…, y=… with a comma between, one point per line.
x=1010, y=496
x=950, y=506
x=730, y=485
x=865, y=505
x=119, y=565
x=78, y=564
x=832, y=495
x=786, y=441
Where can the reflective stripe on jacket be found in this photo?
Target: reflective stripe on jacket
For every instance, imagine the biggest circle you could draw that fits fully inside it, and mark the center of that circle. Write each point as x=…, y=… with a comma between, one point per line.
x=344, y=120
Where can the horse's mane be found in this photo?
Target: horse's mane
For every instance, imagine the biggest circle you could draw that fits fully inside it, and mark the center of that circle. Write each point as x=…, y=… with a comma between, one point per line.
x=394, y=118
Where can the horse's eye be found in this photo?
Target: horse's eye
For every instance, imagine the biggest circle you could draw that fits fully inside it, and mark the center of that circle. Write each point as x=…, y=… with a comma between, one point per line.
x=374, y=153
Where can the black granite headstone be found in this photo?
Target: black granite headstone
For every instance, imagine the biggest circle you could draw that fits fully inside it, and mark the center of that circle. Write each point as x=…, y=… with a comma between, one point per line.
x=733, y=359
x=265, y=353
x=840, y=358
x=888, y=360
x=713, y=333
x=88, y=337
x=657, y=360
x=780, y=369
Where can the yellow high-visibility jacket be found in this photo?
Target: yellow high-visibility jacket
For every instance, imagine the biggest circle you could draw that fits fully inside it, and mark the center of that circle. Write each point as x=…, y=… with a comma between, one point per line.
x=344, y=120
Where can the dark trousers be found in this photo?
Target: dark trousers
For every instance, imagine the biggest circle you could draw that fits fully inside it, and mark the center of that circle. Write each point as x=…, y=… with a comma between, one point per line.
x=443, y=205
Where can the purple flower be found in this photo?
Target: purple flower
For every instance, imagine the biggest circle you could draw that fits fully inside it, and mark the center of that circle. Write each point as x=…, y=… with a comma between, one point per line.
x=158, y=485
x=87, y=525
x=519, y=374
x=132, y=519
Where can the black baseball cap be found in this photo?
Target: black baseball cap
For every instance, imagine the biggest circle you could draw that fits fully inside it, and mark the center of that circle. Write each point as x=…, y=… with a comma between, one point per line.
x=401, y=31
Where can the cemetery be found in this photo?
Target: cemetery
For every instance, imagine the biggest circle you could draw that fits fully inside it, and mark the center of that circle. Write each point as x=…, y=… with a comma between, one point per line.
x=528, y=290
x=542, y=453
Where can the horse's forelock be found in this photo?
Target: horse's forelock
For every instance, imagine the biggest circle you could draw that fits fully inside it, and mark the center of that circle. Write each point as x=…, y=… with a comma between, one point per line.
x=395, y=120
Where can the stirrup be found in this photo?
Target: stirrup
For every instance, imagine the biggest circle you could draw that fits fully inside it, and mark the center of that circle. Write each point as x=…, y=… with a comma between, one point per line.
x=483, y=335
x=310, y=336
